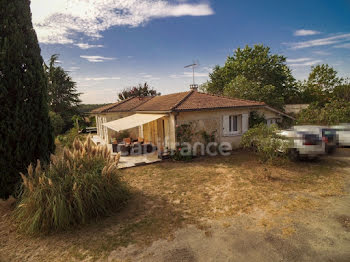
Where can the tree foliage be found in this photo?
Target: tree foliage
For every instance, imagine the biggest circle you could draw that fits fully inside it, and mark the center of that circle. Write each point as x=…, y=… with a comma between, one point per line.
x=321, y=83
x=328, y=95
x=137, y=91
x=256, y=119
x=333, y=112
x=254, y=73
x=342, y=92
x=25, y=129
x=56, y=122
x=62, y=92
x=87, y=108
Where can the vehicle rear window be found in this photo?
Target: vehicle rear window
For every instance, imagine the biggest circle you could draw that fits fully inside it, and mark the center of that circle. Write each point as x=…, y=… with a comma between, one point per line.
x=311, y=139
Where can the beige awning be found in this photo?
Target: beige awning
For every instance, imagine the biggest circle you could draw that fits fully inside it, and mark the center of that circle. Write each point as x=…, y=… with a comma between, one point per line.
x=132, y=121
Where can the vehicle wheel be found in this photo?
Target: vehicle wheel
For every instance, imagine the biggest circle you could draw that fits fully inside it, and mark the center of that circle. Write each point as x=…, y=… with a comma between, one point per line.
x=330, y=150
x=293, y=155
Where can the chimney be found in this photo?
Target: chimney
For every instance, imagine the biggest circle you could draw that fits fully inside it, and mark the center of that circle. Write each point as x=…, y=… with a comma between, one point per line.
x=194, y=87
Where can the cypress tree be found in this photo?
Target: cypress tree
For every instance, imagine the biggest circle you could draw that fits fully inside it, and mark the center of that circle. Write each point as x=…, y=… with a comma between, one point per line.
x=25, y=129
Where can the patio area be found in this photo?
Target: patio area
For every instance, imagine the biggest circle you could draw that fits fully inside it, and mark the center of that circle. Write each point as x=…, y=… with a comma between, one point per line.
x=130, y=160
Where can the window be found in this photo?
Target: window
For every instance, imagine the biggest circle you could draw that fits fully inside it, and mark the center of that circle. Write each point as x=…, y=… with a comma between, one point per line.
x=233, y=127
x=271, y=121
x=234, y=124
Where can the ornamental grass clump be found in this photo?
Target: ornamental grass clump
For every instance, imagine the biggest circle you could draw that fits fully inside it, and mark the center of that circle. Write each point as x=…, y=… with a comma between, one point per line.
x=81, y=184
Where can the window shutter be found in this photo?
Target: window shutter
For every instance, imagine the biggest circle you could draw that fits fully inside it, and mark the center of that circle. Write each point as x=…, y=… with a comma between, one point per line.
x=245, y=122
x=225, y=123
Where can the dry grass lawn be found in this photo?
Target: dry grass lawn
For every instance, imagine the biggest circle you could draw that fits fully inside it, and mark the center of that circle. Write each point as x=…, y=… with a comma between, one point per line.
x=169, y=195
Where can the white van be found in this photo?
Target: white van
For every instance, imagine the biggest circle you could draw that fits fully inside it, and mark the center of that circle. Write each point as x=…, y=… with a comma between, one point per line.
x=343, y=134
x=304, y=143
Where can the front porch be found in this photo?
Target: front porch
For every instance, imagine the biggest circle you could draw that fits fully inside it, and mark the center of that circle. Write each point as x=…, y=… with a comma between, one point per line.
x=148, y=138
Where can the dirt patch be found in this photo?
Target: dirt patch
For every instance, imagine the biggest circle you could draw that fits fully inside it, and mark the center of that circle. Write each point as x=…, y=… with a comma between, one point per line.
x=179, y=255
x=344, y=221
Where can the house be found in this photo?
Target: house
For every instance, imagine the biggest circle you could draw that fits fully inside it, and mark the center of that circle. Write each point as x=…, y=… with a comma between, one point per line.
x=155, y=118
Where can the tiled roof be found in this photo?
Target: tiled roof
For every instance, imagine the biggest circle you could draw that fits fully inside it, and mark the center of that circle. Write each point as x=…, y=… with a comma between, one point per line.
x=122, y=106
x=200, y=101
x=184, y=101
x=164, y=103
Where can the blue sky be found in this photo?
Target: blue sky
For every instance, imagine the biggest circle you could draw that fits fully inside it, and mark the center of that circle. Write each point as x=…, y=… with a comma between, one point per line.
x=112, y=44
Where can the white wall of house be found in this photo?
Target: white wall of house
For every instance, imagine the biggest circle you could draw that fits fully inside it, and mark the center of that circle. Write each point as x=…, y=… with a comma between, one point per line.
x=229, y=124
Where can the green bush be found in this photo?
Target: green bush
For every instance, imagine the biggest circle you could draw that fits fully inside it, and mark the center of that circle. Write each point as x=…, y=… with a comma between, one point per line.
x=68, y=138
x=184, y=134
x=57, y=123
x=182, y=154
x=264, y=140
x=81, y=184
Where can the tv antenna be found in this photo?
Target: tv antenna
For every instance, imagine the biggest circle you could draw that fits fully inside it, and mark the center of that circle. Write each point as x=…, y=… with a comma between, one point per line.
x=193, y=66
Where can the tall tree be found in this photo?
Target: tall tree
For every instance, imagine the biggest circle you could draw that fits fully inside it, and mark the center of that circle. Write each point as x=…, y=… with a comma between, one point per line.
x=320, y=84
x=25, y=129
x=324, y=77
x=252, y=71
x=63, y=96
x=342, y=92
x=137, y=91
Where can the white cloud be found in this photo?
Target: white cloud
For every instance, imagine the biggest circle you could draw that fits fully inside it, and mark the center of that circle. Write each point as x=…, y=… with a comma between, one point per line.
x=345, y=45
x=189, y=74
x=321, y=41
x=86, y=45
x=196, y=74
x=101, y=78
x=207, y=69
x=320, y=52
x=148, y=76
x=73, y=68
x=308, y=63
x=305, y=32
x=59, y=21
x=96, y=58
x=298, y=60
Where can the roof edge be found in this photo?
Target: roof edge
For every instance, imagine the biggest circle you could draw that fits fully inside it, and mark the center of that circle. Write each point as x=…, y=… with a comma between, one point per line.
x=183, y=99
x=215, y=108
x=234, y=98
x=152, y=112
x=279, y=112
